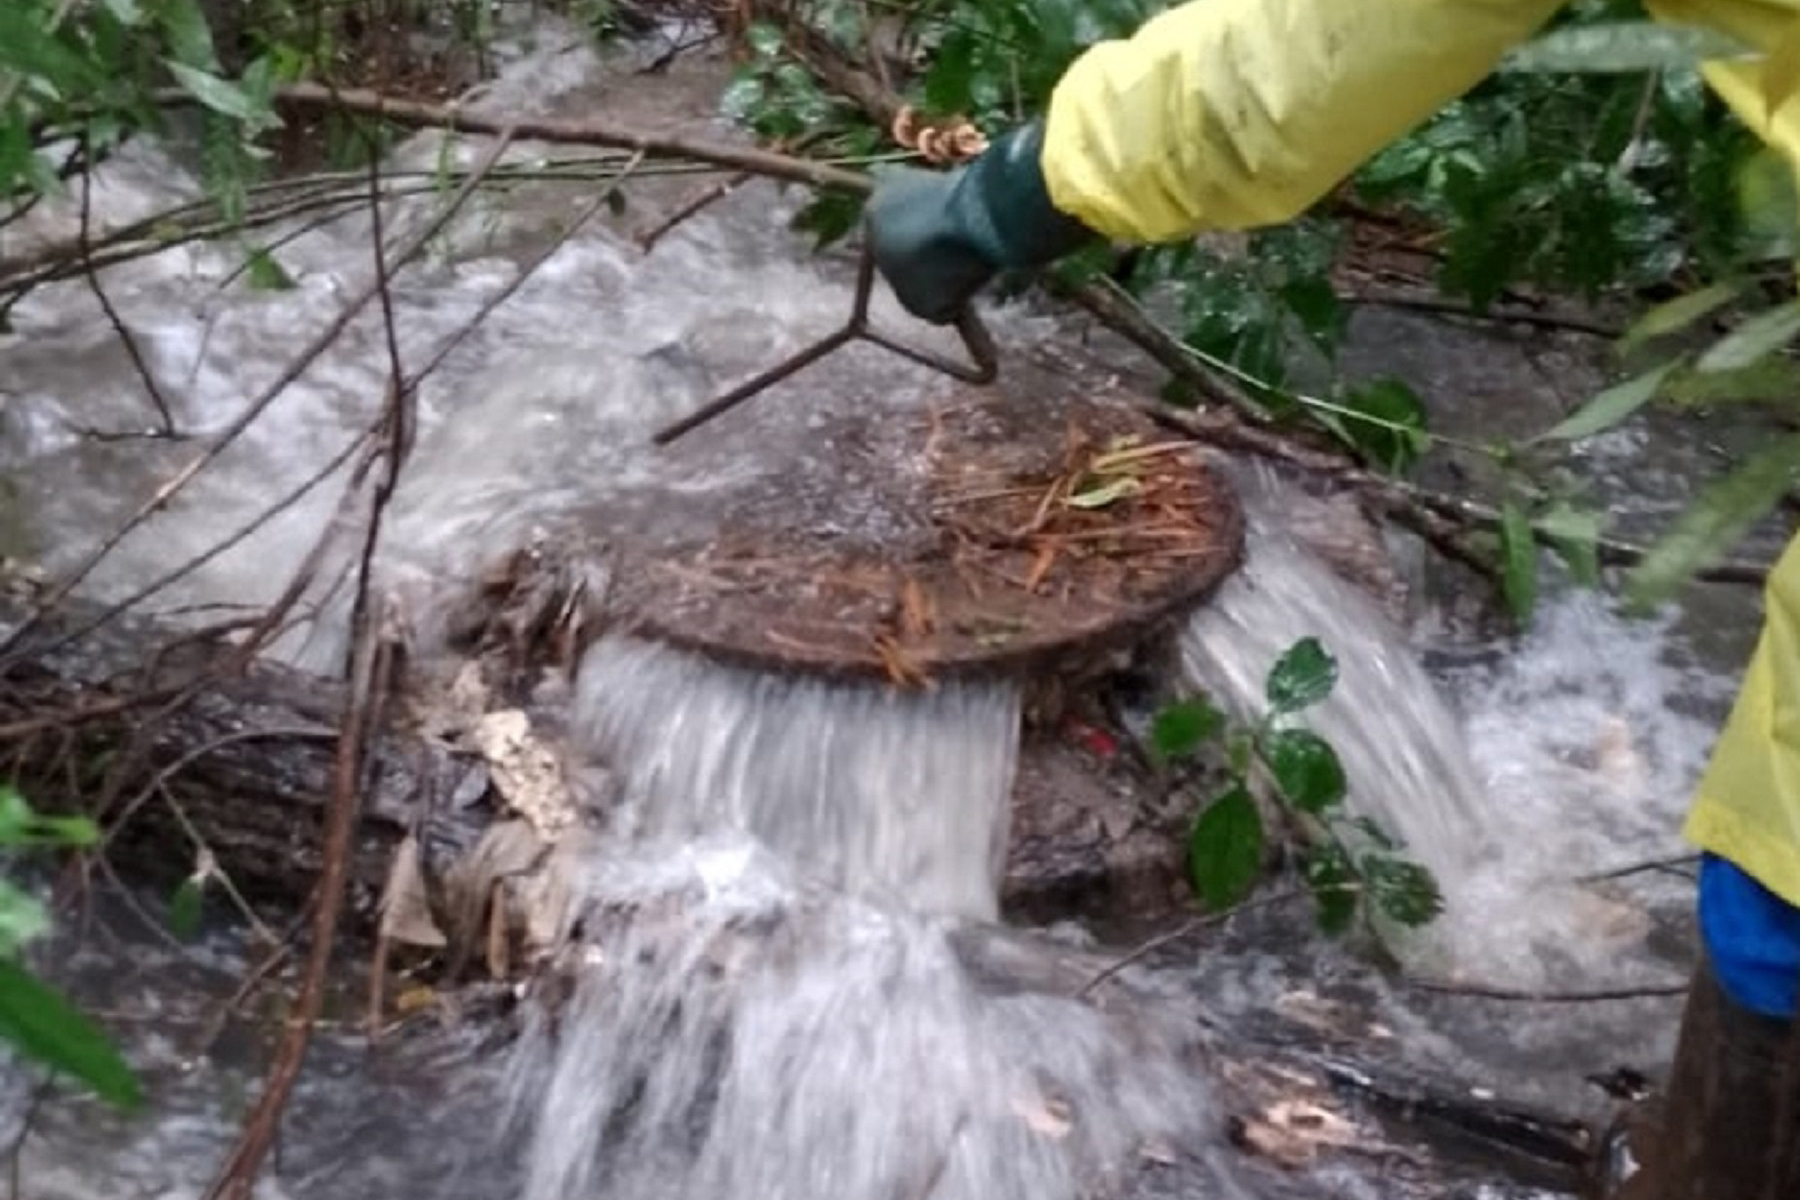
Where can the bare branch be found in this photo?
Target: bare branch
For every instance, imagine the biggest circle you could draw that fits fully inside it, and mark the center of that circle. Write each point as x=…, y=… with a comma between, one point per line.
x=582, y=133
x=690, y=208
x=1184, y=930
x=369, y=669
x=112, y=314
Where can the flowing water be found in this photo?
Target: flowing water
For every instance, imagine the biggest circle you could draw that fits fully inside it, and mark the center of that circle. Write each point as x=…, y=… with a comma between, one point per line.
x=1475, y=815
x=791, y=983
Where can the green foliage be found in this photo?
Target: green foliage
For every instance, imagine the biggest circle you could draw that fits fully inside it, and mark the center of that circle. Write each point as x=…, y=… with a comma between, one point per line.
x=1518, y=563
x=1384, y=421
x=773, y=94
x=187, y=905
x=1348, y=863
x=996, y=63
x=1225, y=848
x=1300, y=678
x=1582, y=184
x=93, y=74
x=1252, y=311
x=1610, y=407
x=40, y=1023
x=1180, y=728
x=35, y=1019
x=1716, y=521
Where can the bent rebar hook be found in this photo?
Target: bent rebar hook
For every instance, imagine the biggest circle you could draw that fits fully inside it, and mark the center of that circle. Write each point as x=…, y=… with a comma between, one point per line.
x=983, y=366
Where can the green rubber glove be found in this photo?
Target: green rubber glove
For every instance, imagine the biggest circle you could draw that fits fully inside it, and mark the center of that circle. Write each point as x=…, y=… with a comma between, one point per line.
x=939, y=236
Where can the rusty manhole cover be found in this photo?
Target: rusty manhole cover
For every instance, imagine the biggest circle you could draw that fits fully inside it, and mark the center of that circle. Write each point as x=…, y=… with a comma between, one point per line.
x=1027, y=536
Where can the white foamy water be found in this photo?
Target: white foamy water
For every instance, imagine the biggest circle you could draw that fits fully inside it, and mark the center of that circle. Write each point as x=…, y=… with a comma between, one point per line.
x=772, y=1000
x=1571, y=754
x=1401, y=746
x=901, y=796
x=733, y=1033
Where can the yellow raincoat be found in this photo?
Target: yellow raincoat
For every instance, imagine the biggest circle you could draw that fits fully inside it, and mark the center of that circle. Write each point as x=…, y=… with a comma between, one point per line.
x=1233, y=114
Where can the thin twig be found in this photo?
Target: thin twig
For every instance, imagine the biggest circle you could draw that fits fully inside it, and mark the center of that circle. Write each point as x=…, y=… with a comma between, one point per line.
x=215, y=1025
x=369, y=667
x=1442, y=519
x=1432, y=302
x=1529, y=996
x=1670, y=863
x=209, y=865
x=116, y=822
x=112, y=314
x=1185, y=929
x=201, y=221
x=690, y=208
x=457, y=337
x=180, y=571
x=16, y=1150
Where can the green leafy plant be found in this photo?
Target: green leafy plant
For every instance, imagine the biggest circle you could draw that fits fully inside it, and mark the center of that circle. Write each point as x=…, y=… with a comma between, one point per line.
x=35, y=1019
x=1350, y=865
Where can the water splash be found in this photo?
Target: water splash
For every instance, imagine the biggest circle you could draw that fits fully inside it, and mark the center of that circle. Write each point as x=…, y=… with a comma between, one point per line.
x=761, y=1040
x=1403, y=750
x=1563, y=761
x=783, y=992
x=899, y=795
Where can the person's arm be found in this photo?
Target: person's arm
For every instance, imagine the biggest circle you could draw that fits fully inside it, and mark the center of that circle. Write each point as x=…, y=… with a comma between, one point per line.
x=1236, y=114
x=1216, y=114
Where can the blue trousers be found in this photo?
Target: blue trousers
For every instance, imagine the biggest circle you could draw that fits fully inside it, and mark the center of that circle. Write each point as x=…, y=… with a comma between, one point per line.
x=1752, y=939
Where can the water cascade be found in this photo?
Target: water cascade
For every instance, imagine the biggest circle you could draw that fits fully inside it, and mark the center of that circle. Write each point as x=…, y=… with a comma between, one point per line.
x=783, y=994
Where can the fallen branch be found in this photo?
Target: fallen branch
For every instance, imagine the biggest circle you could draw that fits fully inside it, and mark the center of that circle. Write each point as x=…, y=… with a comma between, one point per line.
x=1672, y=864
x=1431, y=302
x=1530, y=996
x=689, y=209
x=418, y=114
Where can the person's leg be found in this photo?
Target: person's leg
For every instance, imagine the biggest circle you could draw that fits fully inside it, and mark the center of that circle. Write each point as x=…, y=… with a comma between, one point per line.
x=1730, y=1126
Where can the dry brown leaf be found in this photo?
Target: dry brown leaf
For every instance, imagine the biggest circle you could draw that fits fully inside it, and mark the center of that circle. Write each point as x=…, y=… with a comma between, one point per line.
x=405, y=908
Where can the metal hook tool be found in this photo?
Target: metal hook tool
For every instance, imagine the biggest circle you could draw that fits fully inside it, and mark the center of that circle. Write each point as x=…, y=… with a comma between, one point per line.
x=983, y=366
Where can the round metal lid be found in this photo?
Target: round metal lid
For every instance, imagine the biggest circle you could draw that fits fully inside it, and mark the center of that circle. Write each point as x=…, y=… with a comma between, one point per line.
x=1017, y=535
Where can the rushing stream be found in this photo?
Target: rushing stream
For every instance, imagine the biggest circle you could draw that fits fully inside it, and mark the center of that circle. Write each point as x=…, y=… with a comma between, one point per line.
x=793, y=984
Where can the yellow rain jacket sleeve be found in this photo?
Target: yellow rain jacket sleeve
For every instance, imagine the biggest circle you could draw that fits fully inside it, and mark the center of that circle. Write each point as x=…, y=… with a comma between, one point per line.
x=1233, y=114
